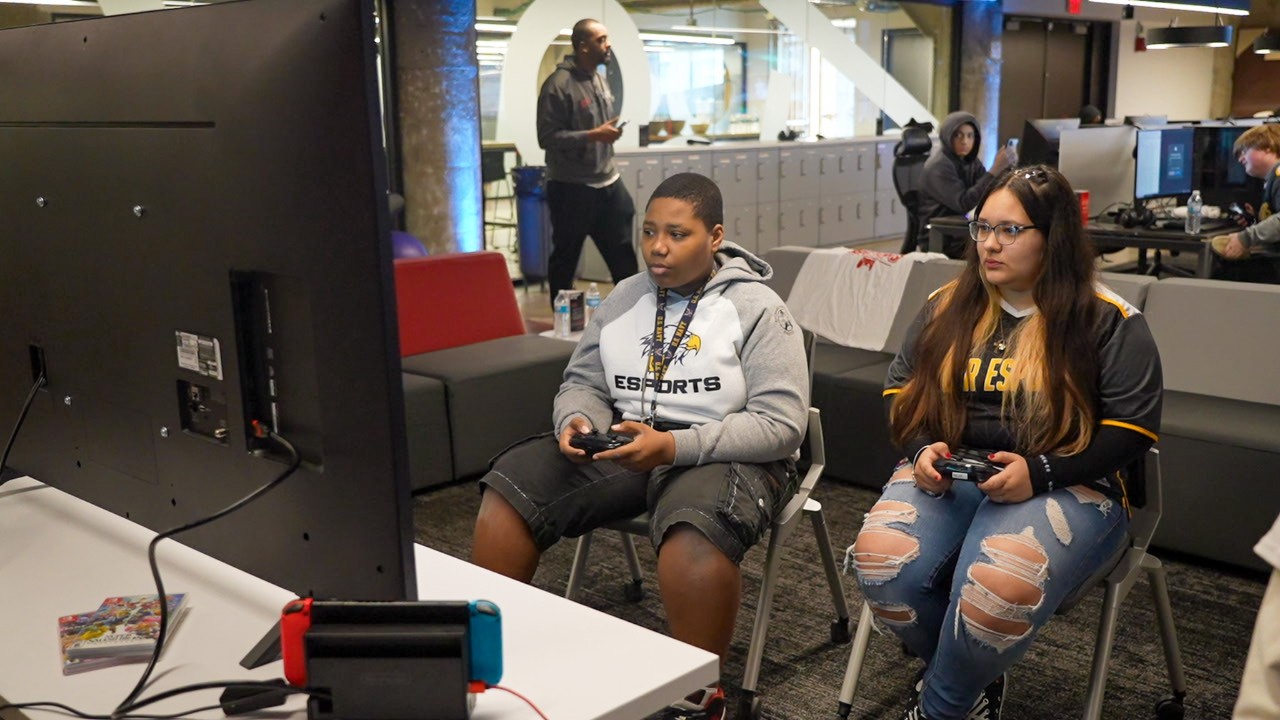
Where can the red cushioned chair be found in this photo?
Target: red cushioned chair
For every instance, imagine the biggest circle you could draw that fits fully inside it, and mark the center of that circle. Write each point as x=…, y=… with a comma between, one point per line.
x=457, y=299
x=460, y=325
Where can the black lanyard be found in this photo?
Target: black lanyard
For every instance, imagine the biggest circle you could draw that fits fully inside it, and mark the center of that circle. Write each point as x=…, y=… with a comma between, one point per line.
x=660, y=358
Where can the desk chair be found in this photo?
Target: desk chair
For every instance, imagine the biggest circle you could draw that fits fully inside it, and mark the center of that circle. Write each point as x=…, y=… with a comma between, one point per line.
x=750, y=703
x=1117, y=578
x=1158, y=267
x=813, y=455
x=498, y=199
x=908, y=165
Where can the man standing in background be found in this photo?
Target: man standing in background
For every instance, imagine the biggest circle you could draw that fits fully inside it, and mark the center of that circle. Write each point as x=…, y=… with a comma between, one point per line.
x=577, y=126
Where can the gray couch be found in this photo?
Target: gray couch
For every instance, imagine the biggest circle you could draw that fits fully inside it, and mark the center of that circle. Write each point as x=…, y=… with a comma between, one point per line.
x=1220, y=434
x=477, y=399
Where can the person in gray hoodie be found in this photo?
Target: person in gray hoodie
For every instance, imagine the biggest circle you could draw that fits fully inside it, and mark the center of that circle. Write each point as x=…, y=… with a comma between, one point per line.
x=577, y=126
x=955, y=178
x=701, y=368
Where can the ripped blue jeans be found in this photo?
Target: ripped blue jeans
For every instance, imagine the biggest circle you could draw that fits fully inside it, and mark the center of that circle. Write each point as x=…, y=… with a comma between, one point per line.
x=966, y=583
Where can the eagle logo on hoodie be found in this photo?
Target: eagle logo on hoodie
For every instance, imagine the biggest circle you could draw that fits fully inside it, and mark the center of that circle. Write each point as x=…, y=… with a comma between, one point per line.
x=691, y=344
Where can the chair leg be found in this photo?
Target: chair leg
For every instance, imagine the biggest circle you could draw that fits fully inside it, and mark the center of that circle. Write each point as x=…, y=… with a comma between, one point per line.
x=579, y=567
x=633, y=591
x=857, y=654
x=760, y=628
x=1168, y=633
x=840, y=628
x=1102, y=651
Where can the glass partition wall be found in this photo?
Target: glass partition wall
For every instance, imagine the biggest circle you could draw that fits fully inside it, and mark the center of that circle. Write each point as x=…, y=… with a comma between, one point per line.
x=728, y=70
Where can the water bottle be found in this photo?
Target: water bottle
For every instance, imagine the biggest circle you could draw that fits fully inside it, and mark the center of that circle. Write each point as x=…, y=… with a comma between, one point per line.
x=563, y=323
x=591, y=301
x=1195, y=209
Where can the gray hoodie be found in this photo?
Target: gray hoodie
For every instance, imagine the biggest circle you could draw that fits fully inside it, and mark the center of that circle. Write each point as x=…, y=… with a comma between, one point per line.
x=571, y=103
x=950, y=184
x=739, y=379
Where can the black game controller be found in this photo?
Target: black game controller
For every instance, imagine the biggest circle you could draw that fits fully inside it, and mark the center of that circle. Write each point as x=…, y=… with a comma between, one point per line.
x=596, y=441
x=967, y=465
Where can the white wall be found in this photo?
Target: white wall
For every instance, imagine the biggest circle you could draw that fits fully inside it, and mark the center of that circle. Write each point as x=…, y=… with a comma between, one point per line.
x=1176, y=82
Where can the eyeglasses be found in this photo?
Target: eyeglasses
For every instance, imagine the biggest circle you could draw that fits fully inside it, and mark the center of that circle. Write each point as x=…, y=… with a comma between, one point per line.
x=1005, y=234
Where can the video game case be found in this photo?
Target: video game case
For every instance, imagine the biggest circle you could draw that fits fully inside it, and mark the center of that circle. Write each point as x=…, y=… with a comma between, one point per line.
x=69, y=629
x=124, y=626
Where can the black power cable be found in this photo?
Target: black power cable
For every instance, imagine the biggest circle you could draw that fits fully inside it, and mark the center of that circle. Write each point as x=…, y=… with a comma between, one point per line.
x=26, y=406
x=294, y=462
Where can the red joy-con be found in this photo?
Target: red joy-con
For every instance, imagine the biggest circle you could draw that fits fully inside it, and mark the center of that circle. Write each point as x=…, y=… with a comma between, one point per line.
x=295, y=620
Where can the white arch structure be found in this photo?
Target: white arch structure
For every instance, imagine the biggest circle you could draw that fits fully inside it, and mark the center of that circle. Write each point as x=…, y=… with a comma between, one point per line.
x=538, y=27
x=810, y=25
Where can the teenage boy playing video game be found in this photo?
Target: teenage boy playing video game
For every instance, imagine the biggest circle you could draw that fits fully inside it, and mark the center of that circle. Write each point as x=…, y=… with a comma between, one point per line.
x=703, y=368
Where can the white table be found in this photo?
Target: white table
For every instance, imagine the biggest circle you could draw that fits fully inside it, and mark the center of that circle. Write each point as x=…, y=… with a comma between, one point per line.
x=60, y=555
x=572, y=337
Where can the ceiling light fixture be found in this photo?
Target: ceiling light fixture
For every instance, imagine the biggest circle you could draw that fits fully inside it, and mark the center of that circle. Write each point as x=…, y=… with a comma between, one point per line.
x=486, y=27
x=70, y=3
x=1177, y=6
x=1267, y=43
x=725, y=30
x=1189, y=36
x=693, y=39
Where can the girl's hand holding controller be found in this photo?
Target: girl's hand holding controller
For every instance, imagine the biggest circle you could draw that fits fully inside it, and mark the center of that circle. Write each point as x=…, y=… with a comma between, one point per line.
x=1013, y=483
x=926, y=475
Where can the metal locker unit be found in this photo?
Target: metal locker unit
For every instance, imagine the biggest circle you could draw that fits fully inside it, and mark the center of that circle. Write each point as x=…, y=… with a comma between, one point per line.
x=641, y=173
x=735, y=174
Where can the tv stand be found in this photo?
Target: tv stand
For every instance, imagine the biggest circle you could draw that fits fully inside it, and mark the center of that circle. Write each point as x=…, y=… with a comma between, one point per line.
x=266, y=650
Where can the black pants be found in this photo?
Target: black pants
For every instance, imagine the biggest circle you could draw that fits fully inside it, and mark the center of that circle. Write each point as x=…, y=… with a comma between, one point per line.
x=603, y=213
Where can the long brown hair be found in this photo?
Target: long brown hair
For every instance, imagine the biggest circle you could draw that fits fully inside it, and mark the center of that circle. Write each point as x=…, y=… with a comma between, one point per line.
x=1052, y=400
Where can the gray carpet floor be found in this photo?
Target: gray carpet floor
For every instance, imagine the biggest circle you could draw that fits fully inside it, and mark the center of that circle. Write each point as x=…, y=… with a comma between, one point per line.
x=1214, y=611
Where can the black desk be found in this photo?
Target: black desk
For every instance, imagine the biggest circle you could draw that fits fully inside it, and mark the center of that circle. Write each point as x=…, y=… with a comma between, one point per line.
x=1107, y=234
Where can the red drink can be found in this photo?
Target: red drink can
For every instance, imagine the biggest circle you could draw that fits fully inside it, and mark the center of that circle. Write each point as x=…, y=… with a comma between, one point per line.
x=1083, y=197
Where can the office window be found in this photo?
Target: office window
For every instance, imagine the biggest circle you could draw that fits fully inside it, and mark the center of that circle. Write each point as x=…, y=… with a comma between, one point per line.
x=712, y=64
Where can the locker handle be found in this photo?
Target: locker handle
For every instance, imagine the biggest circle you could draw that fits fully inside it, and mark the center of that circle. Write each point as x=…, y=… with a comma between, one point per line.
x=821, y=221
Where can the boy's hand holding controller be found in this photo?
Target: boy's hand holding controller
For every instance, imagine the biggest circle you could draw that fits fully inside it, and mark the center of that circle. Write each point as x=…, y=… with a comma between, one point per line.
x=648, y=448
x=577, y=426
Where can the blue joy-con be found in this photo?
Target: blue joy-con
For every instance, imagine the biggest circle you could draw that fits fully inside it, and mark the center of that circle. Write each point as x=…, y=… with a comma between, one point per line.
x=486, y=642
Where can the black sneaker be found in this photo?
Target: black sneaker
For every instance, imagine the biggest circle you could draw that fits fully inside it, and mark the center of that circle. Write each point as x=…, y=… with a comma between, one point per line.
x=705, y=704
x=988, y=704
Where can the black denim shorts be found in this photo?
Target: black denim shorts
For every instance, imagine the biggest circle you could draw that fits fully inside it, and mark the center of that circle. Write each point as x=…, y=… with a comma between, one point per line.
x=732, y=504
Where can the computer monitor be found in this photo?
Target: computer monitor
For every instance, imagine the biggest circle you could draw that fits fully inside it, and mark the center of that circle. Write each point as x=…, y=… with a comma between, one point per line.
x=1040, y=140
x=1146, y=121
x=196, y=236
x=1099, y=159
x=1163, y=164
x=1218, y=172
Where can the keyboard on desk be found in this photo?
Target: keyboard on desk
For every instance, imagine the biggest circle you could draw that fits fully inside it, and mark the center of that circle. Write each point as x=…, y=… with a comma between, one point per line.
x=1216, y=225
